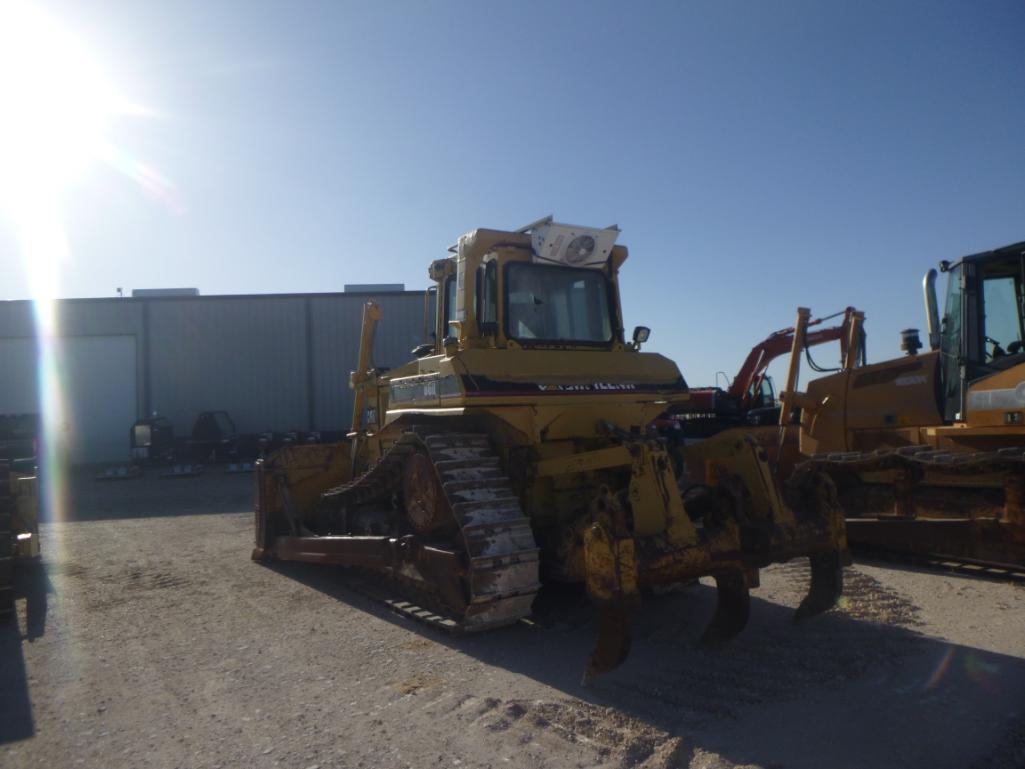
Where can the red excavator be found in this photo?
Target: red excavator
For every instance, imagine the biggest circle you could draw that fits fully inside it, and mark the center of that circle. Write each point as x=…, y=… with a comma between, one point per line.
x=750, y=398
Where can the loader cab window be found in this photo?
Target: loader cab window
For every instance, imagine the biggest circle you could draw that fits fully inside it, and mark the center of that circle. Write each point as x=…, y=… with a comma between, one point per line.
x=982, y=328
x=950, y=325
x=451, y=329
x=1002, y=321
x=557, y=304
x=950, y=345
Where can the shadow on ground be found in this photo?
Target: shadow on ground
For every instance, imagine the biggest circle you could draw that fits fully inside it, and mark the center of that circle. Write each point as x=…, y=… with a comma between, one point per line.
x=152, y=496
x=32, y=587
x=853, y=687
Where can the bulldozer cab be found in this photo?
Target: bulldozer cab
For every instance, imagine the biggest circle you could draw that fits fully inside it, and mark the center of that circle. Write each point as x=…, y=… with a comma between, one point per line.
x=546, y=286
x=983, y=326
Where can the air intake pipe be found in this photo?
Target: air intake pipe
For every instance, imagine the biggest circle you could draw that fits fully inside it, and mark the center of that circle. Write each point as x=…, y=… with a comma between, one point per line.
x=909, y=342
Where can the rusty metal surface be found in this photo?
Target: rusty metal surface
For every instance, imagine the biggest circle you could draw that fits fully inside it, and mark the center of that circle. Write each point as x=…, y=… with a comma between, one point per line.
x=425, y=504
x=732, y=608
x=736, y=538
x=972, y=540
x=935, y=504
x=498, y=573
x=372, y=552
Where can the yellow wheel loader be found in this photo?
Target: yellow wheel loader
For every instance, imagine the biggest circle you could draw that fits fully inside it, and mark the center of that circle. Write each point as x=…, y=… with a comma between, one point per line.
x=927, y=451
x=516, y=449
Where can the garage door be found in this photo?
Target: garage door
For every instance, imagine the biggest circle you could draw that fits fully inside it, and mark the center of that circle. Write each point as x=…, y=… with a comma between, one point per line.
x=97, y=374
x=19, y=393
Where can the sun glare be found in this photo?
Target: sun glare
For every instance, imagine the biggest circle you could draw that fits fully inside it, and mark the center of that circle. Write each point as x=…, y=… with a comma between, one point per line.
x=55, y=106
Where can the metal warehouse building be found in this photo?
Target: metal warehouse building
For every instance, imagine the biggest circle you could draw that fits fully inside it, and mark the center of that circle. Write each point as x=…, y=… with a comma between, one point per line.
x=274, y=362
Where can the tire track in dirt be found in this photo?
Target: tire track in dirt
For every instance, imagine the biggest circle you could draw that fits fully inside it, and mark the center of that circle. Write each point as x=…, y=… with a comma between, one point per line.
x=772, y=660
x=604, y=734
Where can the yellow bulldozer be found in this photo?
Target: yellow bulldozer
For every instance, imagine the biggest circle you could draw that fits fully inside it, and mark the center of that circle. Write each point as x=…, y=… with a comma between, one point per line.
x=927, y=451
x=19, y=528
x=516, y=448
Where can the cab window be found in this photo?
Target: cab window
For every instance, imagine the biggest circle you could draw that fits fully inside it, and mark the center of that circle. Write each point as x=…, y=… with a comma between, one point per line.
x=487, y=299
x=557, y=304
x=1002, y=327
x=763, y=393
x=451, y=329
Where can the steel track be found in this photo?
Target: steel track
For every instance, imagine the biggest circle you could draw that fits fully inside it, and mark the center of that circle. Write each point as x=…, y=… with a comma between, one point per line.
x=501, y=556
x=922, y=457
x=971, y=567
x=947, y=463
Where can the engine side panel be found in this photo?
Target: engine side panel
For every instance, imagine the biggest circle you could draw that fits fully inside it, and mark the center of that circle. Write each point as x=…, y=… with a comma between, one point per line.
x=998, y=400
x=873, y=406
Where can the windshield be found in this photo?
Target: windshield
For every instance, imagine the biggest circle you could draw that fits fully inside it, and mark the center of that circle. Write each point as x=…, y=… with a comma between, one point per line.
x=563, y=304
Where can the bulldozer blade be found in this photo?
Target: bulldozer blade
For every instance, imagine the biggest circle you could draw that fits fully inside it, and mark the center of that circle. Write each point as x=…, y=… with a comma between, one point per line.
x=612, y=645
x=826, y=585
x=732, y=608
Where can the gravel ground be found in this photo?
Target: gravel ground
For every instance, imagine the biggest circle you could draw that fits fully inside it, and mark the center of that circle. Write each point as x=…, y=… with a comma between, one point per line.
x=149, y=639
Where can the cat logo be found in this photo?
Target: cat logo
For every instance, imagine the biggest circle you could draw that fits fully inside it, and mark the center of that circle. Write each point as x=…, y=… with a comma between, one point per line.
x=597, y=386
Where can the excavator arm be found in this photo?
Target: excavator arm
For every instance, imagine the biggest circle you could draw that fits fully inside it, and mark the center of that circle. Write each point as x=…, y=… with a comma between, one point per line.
x=749, y=378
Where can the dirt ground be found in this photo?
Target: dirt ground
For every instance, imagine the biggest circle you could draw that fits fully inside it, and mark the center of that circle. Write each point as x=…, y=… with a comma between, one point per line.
x=149, y=639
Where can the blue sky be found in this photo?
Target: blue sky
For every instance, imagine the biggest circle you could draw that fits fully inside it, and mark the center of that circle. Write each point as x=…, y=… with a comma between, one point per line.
x=757, y=156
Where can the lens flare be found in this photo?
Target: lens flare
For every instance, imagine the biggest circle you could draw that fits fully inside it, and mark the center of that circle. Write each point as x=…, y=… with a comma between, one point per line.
x=53, y=114
x=55, y=110
x=151, y=181
x=941, y=670
x=983, y=672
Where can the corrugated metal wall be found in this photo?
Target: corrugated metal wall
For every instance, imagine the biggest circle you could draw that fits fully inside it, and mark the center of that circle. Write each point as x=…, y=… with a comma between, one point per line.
x=277, y=362
x=76, y=317
x=246, y=356
x=335, y=343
